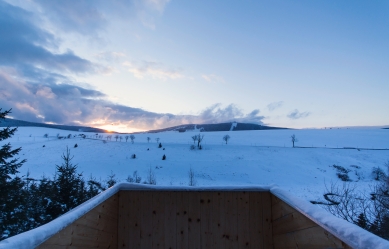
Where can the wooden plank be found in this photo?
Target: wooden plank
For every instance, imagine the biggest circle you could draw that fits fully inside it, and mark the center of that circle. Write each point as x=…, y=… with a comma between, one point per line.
x=206, y=209
x=256, y=235
x=124, y=219
x=292, y=229
x=99, y=223
x=159, y=219
x=146, y=224
x=52, y=247
x=217, y=219
x=194, y=220
x=266, y=220
x=316, y=237
x=170, y=220
x=280, y=209
x=134, y=218
x=182, y=220
x=284, y=241
x=231, y=220
x=292, y=222
x=243, y=219
x=275, y=200
x=62, y=238
x=85, y=236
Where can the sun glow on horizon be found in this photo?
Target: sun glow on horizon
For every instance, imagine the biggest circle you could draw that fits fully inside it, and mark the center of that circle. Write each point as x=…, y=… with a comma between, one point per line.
x=122, y=128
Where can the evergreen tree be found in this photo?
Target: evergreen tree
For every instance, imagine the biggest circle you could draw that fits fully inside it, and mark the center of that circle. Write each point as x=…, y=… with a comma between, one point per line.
x=111, y=180
x=11, y=186
x=69, y=187
x=361, y=221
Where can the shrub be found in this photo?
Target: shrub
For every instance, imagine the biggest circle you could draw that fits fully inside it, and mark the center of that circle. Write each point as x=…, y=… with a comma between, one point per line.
x=164, y=157
x=192, y=177
x=151, y=179
x=342, y=173
x=133, y=156
x=135, y=177
x=343, y=177
x=378, y=174
x=76, y=145
x=160, y=145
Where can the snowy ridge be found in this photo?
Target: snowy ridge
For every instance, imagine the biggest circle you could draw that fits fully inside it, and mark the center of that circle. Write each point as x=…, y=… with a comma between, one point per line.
x=347, y=232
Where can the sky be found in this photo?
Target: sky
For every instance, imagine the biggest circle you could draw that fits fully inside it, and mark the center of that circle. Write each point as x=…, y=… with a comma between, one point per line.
x=146, y=64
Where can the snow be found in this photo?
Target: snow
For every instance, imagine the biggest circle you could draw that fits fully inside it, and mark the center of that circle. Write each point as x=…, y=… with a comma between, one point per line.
x=349, y=233
x=250, y=158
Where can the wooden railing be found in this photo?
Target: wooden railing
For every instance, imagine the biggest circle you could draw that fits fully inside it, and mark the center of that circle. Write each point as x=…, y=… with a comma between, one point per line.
x=133, y=216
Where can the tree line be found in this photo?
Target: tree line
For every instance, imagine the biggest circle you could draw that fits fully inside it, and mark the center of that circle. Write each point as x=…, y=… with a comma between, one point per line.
x=26, y=203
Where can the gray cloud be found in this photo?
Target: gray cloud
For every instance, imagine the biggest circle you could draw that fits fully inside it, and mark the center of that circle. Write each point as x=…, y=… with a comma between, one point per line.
x=24, y=45
x=35, y=81
x=75, y=105
x=216, y=114
x=275, y=105
x=297, y=115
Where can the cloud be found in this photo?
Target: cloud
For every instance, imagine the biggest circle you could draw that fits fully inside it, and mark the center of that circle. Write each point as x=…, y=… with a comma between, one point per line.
x=69, y=104
x=79, y=16
x=152, y=69
x=297, y=115
x=25, y=46
x=216, y=114
x=275, y=105
x=213, y=78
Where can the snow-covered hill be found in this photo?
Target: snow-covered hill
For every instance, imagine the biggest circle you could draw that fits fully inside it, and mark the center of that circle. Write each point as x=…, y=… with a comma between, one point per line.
x=250, y=157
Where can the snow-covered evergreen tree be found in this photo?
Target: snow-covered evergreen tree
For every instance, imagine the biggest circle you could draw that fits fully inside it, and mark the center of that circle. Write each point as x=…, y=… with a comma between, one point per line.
x=69, y=188
x=11, y=186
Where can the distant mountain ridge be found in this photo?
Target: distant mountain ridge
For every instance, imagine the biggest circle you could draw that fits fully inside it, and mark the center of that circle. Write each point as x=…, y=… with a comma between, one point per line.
x=20, y=123
x=231, y=126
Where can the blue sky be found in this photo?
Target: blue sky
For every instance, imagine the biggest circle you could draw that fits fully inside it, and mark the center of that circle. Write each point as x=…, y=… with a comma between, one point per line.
x=148, y=64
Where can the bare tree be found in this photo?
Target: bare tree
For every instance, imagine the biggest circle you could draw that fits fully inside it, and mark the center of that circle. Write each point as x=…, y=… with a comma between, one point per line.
x=126, y=137
x=293, y=139
x=151, y=179
x=226, y=138
x=120, y=138
x=157, y=139
x=132, y=137
x=199, y=139
x=192, y=177
x=116, y=137
x=135, y=177
x=148, y=139
x=344, y=202
x=194, y=139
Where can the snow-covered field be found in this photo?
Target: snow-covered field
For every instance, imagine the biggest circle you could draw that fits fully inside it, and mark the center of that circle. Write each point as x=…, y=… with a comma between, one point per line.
x=250, y=158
